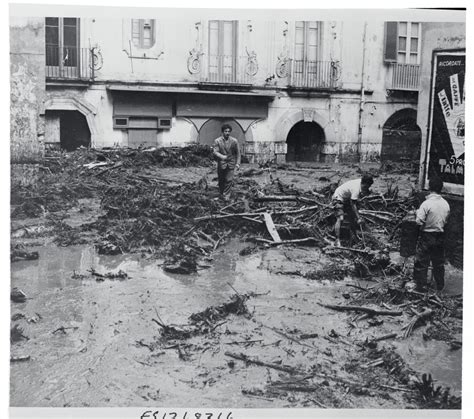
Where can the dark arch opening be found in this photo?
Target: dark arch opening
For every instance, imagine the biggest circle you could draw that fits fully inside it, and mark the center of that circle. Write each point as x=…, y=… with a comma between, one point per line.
x=74, y=131
x=401, y=138
x=305, y=141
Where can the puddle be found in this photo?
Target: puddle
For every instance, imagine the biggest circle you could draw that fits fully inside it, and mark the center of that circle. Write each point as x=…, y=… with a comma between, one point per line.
x=96, y=361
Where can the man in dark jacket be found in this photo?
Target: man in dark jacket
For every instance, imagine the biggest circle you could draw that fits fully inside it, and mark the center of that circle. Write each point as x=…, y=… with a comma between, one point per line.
x=227, y=152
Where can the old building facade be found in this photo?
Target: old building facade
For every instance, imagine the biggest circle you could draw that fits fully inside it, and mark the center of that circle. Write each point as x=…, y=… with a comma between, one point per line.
x=293, y=90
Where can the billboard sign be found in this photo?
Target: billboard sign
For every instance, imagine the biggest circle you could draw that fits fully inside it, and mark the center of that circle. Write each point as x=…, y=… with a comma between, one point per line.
x=445, y=144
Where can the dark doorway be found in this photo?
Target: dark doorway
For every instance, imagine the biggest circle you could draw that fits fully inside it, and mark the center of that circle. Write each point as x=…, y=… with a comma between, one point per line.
x=304, y=142
x=73, y=131
x=401, y=139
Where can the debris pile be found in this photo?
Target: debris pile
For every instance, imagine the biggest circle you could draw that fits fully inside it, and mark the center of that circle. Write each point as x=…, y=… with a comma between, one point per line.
x=205, y=321
x=182, y=222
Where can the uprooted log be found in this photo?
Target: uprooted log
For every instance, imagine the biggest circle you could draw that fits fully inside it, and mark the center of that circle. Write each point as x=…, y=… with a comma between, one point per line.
x=369, y=311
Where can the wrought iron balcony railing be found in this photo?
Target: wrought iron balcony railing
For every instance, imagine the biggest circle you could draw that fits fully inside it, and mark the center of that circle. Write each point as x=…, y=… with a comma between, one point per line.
x=405, y=76
x=314, y=74
x=69, y=63
x=229, y=69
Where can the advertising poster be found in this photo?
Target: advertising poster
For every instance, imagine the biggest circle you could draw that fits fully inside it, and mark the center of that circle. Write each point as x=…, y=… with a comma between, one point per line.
x=446, y=140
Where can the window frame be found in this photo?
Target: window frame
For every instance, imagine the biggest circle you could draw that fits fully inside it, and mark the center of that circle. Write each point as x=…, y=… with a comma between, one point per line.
x=408, y=38
x=139, y=41
x=305, y=45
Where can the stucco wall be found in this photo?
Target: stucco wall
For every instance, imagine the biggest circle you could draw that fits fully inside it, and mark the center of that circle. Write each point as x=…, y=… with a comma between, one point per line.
x=167, y=59
x=27, y=84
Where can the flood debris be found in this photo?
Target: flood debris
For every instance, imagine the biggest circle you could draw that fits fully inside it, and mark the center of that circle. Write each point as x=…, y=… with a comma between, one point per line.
x=21, y=358
x=17, y=295
x=206, y=321
x=237, y=305
x=17, y=334
x=18, y=254
x=436, y=397
x=181, y=221
x=99, y=277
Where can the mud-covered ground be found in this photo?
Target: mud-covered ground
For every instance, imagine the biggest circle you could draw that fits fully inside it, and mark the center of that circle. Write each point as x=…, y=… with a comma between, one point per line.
x=249, y=325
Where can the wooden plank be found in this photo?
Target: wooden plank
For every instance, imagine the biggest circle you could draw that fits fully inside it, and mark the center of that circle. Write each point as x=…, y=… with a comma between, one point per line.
x=271, y=227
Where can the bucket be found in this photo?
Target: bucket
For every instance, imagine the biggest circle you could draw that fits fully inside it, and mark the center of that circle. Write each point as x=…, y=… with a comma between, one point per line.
x=408, y=235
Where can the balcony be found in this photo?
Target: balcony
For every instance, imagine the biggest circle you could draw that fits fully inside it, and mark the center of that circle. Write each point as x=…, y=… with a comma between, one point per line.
x=314, y=74
x=405, y=77
x=69, y=63
x=229, y=69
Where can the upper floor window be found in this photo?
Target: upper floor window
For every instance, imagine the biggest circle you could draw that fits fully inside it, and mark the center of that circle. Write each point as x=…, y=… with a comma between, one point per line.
x=143, y=33
x=222, y=50
x=307, y=40
x=62, y=41
x=402, y=42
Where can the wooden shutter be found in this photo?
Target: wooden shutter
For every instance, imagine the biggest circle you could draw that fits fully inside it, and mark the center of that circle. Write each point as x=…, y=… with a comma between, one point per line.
x=391, y=41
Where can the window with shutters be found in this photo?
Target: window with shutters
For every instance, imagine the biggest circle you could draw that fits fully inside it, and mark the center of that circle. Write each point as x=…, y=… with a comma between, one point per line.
x=307, y=69
x=402, y=53
x=307, y=42
x=402, y=42
x=64, y=57
x=222, y=50
x=143, y=33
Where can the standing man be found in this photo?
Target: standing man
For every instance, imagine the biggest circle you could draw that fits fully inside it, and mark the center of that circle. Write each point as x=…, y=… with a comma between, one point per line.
x=345, y=199
x=431, y=217
x=227, y=152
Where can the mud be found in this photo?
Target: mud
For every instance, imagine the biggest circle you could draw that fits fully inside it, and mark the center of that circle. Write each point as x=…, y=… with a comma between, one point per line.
x=244, y=324
x=95, y=343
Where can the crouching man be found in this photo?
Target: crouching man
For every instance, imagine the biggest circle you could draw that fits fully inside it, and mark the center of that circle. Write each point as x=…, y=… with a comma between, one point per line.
x=227, y=152
x=345, y=200
x=431, y=217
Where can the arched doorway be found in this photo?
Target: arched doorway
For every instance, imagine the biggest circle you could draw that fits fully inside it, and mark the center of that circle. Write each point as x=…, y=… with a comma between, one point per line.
x=401, y=138
x=67, y=130
x=304, y=142
x=212, y=129
x=74, y=131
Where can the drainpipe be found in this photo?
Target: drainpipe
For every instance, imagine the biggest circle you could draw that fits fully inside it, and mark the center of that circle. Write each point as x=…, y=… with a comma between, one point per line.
x=362, y=94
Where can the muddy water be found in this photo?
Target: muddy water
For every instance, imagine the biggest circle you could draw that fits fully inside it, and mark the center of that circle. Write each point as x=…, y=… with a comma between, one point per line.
x=95, y=359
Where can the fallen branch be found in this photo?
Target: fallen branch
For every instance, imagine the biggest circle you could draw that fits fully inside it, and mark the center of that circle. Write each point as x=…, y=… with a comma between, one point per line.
x=253, y=214
x=274, y=243
x=255, y=361
x=370, y=311
x=350, y=249
x=296, y=198
x=412, y=325
x=384, y=337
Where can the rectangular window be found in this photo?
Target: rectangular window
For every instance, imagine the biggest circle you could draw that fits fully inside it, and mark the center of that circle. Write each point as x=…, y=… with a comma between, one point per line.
x=120, y=122
x=164, y=123
x=306, y=68
x=222, y=50
x=62, y=43
x=143, y=33
x=307, y=41
x=402, y=42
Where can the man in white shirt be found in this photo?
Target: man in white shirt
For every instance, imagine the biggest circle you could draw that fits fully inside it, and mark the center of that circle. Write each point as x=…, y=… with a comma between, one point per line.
x=345, y=199
x=431, y=217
